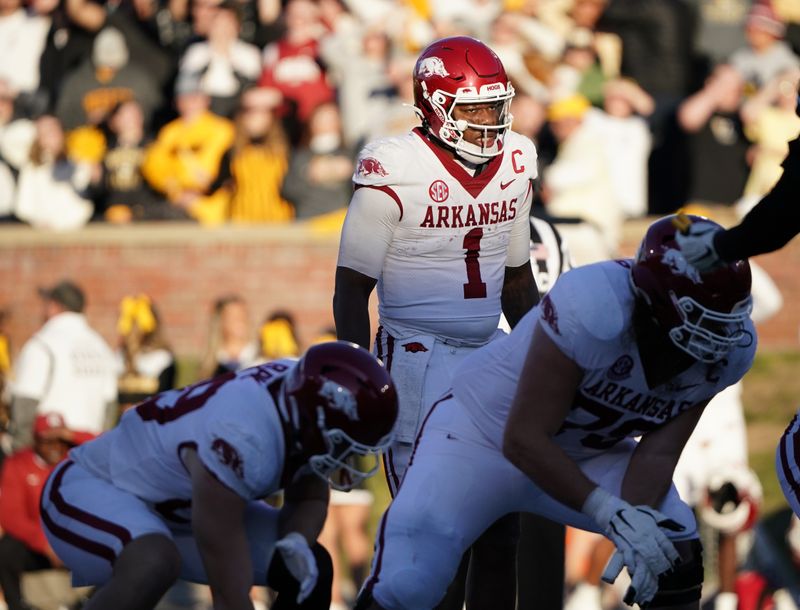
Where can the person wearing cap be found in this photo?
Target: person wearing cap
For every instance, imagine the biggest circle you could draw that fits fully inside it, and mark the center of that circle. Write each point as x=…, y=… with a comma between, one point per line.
x=105, y=80
x=184, y=160
x=577, y=187
x=767, y=54
x=23, y=546
x=66, y=368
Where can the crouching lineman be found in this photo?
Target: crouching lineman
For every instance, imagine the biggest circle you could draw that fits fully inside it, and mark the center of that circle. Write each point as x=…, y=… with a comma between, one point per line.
x=544, y=421
x=174, y=490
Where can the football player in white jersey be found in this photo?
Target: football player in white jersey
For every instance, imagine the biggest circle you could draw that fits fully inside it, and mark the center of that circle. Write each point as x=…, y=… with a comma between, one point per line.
x=174, y=491
x=439, y=222
x=544, y=421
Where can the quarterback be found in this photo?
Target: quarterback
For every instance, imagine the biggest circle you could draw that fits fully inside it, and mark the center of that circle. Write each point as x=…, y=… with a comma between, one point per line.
x=544, y=420
x=174, y=491
x=439, y=222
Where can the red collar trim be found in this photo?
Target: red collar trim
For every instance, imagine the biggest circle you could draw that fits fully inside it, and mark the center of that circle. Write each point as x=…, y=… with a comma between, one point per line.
x=474, y=185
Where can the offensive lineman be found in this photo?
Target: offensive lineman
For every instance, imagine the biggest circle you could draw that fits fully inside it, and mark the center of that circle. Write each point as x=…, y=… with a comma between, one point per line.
x=174, y=490
x=439, y=221
x=544, y=421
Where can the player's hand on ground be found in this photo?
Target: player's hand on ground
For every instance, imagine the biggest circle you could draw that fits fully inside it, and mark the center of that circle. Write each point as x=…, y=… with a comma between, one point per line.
x=299, y=560
x=642, y=545
x=697, y=246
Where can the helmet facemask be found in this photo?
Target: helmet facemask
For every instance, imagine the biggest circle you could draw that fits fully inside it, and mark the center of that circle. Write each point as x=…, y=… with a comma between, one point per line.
x=709, y=335
x=451, y=131
x=341, y=466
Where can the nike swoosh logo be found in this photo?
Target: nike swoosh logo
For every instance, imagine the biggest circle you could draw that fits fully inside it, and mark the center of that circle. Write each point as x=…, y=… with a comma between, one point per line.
x=505, y=185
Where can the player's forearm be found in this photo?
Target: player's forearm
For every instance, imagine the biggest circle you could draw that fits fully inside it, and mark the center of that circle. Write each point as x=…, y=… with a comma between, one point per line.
x=648, y=479
x=519, y=293
x=548, y=466
x=351, y=310
x=306, y=518
x=226, y=558
x=305, y=508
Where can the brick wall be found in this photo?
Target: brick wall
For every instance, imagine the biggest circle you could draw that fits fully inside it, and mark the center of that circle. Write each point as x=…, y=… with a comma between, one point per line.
x=184, y=268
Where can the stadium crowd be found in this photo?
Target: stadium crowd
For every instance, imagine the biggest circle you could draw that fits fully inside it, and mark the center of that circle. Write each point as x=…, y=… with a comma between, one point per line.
x=253, y=111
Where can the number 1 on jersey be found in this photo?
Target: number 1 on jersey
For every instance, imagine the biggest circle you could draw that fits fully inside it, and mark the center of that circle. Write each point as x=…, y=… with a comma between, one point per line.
x=475, y=288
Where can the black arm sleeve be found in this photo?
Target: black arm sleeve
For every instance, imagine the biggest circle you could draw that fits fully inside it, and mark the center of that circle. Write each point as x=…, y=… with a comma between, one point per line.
x=773, y=221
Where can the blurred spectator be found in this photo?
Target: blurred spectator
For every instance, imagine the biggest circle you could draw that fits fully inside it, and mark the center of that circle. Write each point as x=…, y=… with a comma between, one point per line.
x=146, y=361
x=398, y=115
x=6, y=373
x=247, y=189
x=22, y=39
x=770, y=122
x=65, y=47
x=346, y=538
x=658, y=33
x=511, y=48
x=103, y=81
x=231, y=346
x=771, y=571
x=23, y=546
x=766, y=54
x=227, y=64
x=544, y=39
x=320, y=169
x=278, y=335
x=292, y=64
x=16, y=132
x=52, y=189
x=577, y=186
x=717, y=144
x=150, y=32
x=627, y=141
x=357, y=64
x=67, y=368
x=579, y=71
x=185, y=158
x=120, y=190
x=720, y=30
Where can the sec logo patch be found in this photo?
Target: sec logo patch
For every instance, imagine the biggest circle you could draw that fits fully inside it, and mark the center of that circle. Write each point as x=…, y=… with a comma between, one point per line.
x=438, y=191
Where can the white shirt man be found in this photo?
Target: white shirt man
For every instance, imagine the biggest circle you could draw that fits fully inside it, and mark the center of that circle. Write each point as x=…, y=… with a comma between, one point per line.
x=66, y=368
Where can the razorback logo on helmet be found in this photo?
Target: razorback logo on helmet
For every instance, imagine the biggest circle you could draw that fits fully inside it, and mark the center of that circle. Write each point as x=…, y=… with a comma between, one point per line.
x=369, y=166
x=676, y=263
x=549, y=314
x=340, y=398
x=431, y=66
x=227, y=454
x=415, y=347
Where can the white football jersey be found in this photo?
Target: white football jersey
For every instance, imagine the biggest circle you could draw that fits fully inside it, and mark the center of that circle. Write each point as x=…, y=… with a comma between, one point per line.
x=232, y=422
x=588, y=314
x=438, y=239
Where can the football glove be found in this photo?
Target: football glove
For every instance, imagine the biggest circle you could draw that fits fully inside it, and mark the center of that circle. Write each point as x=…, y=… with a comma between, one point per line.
x=697, y=246
x=641, y=544
x=299, y=560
